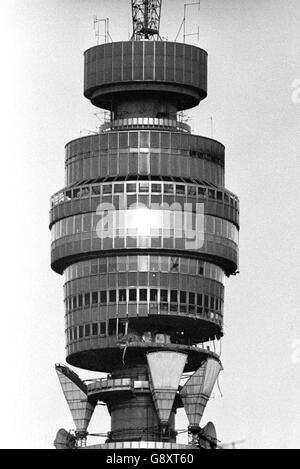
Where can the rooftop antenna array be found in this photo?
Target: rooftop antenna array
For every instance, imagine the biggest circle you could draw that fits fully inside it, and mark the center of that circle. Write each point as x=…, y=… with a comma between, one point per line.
x=184, y=21
x=98, y=26
x=146, y=19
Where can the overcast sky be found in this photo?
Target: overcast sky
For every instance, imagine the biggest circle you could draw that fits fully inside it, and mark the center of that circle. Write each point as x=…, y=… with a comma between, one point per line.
x=254, y=50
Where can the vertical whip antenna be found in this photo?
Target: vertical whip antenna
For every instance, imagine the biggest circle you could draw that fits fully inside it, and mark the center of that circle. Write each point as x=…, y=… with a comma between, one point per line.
x=146, y=19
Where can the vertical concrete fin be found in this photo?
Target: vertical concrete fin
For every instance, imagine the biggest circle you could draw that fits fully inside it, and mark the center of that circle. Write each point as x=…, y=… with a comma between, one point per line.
x=166, y=369
x=75, y=392
x=197, y=390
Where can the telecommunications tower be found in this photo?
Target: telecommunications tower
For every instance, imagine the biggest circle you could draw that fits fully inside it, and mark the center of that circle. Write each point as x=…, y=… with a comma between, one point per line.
x=144, y=233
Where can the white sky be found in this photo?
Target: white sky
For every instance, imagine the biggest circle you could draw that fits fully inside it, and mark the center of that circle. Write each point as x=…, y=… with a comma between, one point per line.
x=254, y=50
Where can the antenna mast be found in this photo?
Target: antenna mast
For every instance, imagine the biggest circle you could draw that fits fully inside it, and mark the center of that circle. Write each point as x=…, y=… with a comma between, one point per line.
x=146, y=19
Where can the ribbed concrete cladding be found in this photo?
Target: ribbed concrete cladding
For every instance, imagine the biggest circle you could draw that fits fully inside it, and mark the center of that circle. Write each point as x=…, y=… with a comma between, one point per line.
x=139, y=63
x=146, y=153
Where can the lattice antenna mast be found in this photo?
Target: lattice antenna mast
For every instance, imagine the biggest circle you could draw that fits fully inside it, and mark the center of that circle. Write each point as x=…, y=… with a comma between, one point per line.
x=146, y=19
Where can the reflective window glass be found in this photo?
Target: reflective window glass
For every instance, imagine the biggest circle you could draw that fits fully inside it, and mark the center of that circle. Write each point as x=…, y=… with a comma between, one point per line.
x=107, y=189
x=103, y=266
x=183, y=297
x=103, y=297
x=174, y=296
x=164, y=296
x=112, y=296
x=87, y=299
x=122, y=264
x=156, y=188
x=144, y=187
x=132, y=264
x=95, y=298
x=112, y=264
x=154, y=263
x=118, y=188
x=143, y=294
x=78, y=223
x=143, y=264
x=131, y=188
x=132, y=294
x=168, y=189
x=122, y=295
x=153, y=294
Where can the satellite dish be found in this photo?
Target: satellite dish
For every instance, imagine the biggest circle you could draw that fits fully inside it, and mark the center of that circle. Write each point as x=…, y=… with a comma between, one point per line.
x=208, y=437
x=64, y=440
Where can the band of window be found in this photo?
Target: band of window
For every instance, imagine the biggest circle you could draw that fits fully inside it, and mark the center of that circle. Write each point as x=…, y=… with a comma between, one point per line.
x=173, y=265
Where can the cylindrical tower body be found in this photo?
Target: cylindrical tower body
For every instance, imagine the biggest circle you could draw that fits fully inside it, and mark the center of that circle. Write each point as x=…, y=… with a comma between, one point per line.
x=144, y=231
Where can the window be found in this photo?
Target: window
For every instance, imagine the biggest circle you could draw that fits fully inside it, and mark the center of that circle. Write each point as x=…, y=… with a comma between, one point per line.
x=95, y=329
x=199, y=299
x=80, y=301
x=78, y=227
x=192, y=298
x=87, y=299
x=75, y=333
x=174, y=264
x=102, y=328
x=132, y=265
x=154, y=263
x=211, y=194
x=200, y=268
x=180, y=189
x=112, y=296
x=174, y=296
x=168, y=189
x=103, y=297
x=119, y=188
x=220, y=196
x=226, y=198
x=201, y=191
x=70, y=335
x=156, y=188
x=143, y=294
x=80, y=332
x=164, y=296
x=192, y=191
x=164, y=264
x=144, y=187
x=103, y=266
x=206, y=299
x=87, y=222
x=122, y=264
x=87, y=330
x=183, y=297
x=131, y=188
x=209, y=221
x=95, y=298
x=96, y=190
x=143, y=264
x=107, y=189
x=218, y=226
x=85, y=192
x=184, y=265
x=193, y=267
x=122, y=296
x=112, y=327
x=153, y=294
x=112, y=264
x=74, y=302
x=132, y=295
